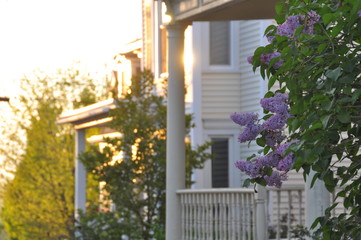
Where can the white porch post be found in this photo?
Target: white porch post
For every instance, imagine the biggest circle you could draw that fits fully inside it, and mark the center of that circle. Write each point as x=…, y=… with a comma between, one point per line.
x=261, y=216
x=80, y=173
x=175, y=130
x=317, y=199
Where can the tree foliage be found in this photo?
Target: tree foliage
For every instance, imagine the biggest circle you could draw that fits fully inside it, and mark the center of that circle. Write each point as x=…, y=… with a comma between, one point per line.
x=314, y=55
x=38, y=200
x=134, y=166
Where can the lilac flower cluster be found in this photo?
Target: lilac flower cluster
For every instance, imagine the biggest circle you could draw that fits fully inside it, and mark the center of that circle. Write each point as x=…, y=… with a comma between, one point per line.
x=278, y=105
x=276, y=179
x=250, y=168
x=359, y=13
x=288, y=29
x=266, y=59
x=275, y=159
x=271, y=130
x=247, y=120
x=274, y=137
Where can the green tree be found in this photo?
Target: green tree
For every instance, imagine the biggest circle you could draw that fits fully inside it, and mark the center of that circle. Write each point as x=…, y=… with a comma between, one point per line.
x=38, y=201
x=136, y=181
x=315, y=56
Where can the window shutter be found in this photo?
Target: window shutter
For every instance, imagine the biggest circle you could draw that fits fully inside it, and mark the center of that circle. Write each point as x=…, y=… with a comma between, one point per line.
x=219, y=43
x=220, y=162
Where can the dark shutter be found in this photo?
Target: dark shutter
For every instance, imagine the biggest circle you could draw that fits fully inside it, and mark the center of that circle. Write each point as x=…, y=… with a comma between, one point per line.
x=220, y=162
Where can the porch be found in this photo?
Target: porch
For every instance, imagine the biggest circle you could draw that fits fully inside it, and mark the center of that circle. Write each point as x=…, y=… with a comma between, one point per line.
x=241, y=213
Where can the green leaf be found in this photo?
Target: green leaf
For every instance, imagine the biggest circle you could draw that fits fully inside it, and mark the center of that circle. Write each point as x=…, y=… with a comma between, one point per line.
x=261, y=142
x=247, y=183
x=349, y=78
x=327, y=18
x=322, y=47
x=279, y=7
x=272, y=81
x=315, y=223
x=314, y=179
x=315, y=126
x=337, y=29
x=325, y=120
x=344, y=117
x=334, y=74
x=356, y=95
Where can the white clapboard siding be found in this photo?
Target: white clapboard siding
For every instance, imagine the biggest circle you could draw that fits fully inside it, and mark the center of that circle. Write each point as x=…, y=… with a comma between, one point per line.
x=220, y=98
x=250, y=37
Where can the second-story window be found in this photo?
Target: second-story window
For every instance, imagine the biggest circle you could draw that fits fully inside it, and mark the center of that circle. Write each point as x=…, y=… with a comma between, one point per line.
x=219, y=43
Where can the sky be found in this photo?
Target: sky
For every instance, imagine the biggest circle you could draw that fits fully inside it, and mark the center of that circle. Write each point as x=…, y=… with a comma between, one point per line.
x=50, y=34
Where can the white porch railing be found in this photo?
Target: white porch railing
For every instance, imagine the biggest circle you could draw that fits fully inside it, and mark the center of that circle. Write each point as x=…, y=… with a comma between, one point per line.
x=218, y=214
x=286, y=210
x=230, y=214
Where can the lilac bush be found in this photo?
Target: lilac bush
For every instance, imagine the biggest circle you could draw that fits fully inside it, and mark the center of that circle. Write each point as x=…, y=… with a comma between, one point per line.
x=320, y=47
x=271, y=168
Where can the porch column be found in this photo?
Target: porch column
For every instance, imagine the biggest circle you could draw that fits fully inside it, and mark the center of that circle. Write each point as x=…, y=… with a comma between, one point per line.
x=261, y=216
x=80, y=173
x=317, y=199
x=175, y=130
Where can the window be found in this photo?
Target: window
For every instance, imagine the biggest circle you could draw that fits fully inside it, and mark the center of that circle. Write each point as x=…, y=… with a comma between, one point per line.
x=219, y=43
x=220, y=162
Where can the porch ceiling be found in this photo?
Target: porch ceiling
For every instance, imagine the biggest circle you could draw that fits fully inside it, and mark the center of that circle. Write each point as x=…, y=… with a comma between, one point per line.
x=218, y=10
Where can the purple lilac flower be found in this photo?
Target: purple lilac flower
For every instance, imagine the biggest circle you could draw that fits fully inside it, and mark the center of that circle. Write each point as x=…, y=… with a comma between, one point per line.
x=281, y=149
x=313, y=17
x=276, y=122
x=270, y=38
x=273, y=137
x=249, y=59
x=276, y=104
x=286, y=163
x=244, y=119
x=250, y=168
x=289, y=27
x=250, y=132
x=266, y=58
x=270, y=160
x=359, y=13
x=275, y=179
x=278, y=64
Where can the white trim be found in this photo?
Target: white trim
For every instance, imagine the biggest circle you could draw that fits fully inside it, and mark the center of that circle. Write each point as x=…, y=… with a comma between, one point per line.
x=234, y=177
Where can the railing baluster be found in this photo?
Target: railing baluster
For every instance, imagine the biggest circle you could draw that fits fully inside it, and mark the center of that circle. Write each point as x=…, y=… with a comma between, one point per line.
x=278, y=214
x=233, y=218
x=289, y=215
x=242, y=215
x=216, y=209
x=221, y=223
x=203, y=216
x=183, y=215
x=300, y=207
x=238, y=216
x=253, y=201
x=249, y=216
x=198, y=216
x=192, y=214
